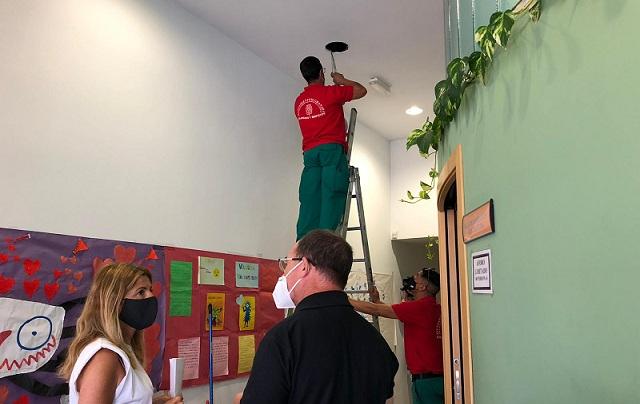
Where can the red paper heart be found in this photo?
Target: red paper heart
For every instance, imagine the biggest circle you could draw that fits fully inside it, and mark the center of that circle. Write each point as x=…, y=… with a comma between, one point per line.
x=30, y=287
x=3, y=258
x=11, y=247
x=124, y=254
x=78, y=276
x=4, y=335
x=22, y=400
x=16, y=258
x=73, y=259
x=157, y=288
x=51, y=290
x=71, y=288
x=31, y=266
x=6, y=284
x=57, y=274
x=99, y=263
x=4, y=393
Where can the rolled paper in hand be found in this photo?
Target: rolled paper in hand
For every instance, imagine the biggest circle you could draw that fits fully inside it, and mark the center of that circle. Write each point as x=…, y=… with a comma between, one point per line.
x=176, y=372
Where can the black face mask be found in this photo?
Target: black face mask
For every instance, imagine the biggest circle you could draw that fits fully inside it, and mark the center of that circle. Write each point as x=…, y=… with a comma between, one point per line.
x=139, y=313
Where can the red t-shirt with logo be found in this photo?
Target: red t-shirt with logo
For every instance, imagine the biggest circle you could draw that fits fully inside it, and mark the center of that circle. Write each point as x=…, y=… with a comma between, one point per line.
x=319, y=112
x=422, y=334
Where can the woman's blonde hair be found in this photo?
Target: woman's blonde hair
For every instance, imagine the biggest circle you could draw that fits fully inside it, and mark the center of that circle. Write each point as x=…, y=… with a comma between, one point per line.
x=100, y=315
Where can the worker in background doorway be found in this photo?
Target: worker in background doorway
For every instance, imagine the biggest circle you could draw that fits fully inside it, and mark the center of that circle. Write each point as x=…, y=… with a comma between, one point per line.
x=422, y=334
x=325, y=178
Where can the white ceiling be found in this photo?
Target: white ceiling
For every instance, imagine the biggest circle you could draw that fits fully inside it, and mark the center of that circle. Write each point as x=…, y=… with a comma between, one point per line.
x=401, y=41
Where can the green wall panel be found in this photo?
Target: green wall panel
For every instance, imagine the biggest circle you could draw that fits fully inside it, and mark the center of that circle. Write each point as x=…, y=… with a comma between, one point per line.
x=554, y=139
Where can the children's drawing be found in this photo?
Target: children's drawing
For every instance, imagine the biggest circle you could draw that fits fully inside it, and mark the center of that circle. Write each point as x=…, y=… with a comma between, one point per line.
x=29, y=335
x=247, y=312
x=384, y=283
x=217, y=301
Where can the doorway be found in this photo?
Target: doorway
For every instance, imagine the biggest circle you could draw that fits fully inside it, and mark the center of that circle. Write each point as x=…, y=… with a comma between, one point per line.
x=456, y=328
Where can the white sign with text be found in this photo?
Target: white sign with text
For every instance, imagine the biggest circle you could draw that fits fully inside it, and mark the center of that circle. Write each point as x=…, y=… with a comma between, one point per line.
x=482, y=278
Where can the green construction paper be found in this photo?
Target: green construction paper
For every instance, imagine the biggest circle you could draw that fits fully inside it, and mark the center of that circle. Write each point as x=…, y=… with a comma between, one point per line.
x=180, y=288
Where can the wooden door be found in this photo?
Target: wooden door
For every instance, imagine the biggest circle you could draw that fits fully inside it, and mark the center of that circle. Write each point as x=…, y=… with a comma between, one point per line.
x=456, y=331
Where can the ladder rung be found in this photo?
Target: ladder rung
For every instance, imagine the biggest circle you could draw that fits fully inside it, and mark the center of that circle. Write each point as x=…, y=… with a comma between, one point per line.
x=354, y=196
x=358, y=260
x=353, y=228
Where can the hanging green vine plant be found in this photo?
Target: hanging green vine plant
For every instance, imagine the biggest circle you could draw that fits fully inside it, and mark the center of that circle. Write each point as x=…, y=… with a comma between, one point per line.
x=461, y=73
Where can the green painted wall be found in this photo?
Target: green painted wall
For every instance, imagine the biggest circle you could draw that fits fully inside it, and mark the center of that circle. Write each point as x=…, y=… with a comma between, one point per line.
x=554, y=139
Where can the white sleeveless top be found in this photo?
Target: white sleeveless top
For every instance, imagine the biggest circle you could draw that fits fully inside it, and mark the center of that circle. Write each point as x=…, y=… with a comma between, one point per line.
x=135, y=387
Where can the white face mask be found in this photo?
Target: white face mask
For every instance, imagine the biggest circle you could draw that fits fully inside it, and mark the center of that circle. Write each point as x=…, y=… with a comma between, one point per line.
x=282, y=294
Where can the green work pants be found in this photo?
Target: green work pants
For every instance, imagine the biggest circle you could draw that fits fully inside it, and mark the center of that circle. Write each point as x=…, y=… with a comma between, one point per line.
x=323, y=188
x=428, y=391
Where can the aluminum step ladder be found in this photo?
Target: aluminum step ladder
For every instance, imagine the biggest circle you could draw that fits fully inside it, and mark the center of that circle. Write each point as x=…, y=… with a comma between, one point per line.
x=355, y=192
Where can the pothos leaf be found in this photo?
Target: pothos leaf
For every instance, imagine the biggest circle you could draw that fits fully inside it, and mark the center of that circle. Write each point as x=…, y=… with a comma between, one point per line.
x=433, y=173
x=425, y=141
x=456, y=71
x=426, y=125
x=488, y=48
x=485, y=40
x=414, y=137
x=478, y=64
x=438, y=130
x=425, y=187
x=424, y=195
x=500, y=27
x=481, y=34
x=409, y=195
x=534, y=11
x=442, y=87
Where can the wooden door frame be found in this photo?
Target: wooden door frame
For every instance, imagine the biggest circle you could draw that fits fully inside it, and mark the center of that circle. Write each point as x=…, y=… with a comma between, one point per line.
x=451, y=173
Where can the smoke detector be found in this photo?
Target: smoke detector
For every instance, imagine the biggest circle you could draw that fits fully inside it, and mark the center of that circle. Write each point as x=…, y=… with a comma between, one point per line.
x=380, y=85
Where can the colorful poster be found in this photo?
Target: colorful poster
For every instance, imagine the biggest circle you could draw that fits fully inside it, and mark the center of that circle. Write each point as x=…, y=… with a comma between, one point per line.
x=384, y=283
x=246, y=352
x=247, y=312
x=220, y=349
x=189, y=350
x=210, y=271
x=216, y=300
x=247, y=275
x=180, y=288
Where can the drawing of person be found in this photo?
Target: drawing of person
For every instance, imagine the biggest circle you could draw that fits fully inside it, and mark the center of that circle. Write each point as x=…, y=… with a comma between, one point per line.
x=246, y=308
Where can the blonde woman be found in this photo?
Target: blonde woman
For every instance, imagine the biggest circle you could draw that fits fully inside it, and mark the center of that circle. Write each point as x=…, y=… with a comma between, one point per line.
x=104, y=361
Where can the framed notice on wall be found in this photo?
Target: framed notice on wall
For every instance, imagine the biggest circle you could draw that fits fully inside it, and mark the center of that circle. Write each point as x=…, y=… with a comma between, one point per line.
x=482, y=276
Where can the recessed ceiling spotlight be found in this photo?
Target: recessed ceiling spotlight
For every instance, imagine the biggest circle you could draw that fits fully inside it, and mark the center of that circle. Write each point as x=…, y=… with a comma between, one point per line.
x=414, y=110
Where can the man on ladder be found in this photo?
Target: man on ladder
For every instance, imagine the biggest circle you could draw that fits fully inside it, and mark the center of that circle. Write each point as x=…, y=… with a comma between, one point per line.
x=325, y=178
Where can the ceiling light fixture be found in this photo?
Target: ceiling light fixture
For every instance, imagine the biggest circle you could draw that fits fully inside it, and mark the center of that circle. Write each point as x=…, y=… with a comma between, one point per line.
x=380, y=85
x=414, y=110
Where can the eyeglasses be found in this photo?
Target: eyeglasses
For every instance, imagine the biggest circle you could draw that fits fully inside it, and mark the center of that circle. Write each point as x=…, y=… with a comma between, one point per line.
x=282, y=262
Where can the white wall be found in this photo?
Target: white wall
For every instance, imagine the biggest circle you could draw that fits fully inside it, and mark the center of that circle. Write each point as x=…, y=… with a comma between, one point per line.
x=371, y=154
x=137, y=121
x=408, y=168
x=134, y=120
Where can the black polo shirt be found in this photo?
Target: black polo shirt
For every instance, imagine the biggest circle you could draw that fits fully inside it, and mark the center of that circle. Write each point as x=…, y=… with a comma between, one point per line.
x=324, y=353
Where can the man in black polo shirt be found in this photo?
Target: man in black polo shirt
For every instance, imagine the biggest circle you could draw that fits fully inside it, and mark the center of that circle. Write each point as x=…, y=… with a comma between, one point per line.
x=325, y=352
